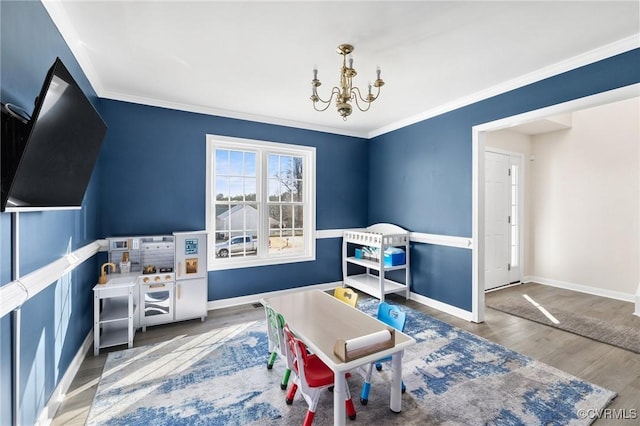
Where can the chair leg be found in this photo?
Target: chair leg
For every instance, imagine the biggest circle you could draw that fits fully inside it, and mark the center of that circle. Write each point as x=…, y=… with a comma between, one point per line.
x=404, y=388
x=285, y=379
x=378, y=366
x=364, y=394
x=351, y=410
x=291, y=394
x=308, y=419
x=272, y=359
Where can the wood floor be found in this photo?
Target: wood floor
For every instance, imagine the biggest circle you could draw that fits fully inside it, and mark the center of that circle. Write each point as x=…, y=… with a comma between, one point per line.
x=608, y=366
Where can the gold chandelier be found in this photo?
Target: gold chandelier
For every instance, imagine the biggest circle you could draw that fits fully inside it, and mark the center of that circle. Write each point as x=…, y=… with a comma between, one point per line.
x=346, y=92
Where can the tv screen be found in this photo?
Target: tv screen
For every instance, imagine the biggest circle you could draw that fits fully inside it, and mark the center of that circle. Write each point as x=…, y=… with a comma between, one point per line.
x=65, y=135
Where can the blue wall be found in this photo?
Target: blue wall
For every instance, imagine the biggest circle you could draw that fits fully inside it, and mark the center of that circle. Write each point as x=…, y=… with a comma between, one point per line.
x=153, y=168
x=56, y=321
x=423, y=171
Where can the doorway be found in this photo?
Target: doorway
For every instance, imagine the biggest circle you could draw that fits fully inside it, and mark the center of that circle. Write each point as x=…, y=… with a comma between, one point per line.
x=478, y=171
x=503, y=218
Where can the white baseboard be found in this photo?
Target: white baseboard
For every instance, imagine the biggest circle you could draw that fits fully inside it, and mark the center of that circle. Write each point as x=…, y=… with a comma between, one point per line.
x=444, y=307
x=256, y=298
x=611, y=294
x=50, y=410
x=502, y=287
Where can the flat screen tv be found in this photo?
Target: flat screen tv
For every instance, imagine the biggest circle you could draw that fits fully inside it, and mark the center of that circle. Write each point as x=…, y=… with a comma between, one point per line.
x=52, y=169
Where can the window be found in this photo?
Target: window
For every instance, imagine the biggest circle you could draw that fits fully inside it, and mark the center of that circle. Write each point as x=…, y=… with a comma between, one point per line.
x=515, y=212
x=260, y=202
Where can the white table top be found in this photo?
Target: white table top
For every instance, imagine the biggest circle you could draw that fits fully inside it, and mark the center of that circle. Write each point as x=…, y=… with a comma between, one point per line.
x=319, y=319
x=117, y=281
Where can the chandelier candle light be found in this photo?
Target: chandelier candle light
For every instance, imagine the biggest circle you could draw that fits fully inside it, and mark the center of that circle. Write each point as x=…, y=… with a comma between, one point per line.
x=346, y=92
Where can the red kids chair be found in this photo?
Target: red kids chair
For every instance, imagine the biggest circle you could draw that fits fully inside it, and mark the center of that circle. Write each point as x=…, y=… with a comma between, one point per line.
x=312, y=376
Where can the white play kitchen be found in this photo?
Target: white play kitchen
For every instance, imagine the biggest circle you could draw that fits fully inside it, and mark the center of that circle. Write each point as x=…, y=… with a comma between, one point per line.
x=149, y=280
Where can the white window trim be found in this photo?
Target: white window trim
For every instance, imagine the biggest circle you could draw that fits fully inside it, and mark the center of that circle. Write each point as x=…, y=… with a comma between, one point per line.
x=309, y=189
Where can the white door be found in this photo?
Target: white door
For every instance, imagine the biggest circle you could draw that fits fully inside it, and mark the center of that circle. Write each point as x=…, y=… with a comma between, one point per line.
x=497, y=226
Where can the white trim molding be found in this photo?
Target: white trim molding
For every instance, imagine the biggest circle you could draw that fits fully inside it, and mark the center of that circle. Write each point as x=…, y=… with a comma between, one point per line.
x=441, y=306
x=637, y=312
x=415, y=237
x=15, y=293
x=615, y=48
x=596, y=291
x=441, y=240
x=256, y=298
x=329, y=233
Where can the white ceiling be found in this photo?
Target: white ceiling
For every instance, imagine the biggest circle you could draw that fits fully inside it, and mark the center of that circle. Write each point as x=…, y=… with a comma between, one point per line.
x=254, y=60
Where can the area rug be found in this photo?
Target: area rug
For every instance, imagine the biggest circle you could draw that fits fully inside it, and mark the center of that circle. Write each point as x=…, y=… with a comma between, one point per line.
x=622, y=336
x=452, y=378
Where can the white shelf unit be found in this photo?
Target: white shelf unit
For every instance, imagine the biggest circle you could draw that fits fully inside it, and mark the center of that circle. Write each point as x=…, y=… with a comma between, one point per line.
x=381, y=236
x=113, y=315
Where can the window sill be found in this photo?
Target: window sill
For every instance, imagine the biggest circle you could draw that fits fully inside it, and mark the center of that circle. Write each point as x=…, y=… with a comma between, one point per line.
x=224, y=264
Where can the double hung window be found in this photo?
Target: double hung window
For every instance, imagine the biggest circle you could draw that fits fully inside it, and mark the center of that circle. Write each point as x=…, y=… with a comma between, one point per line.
x=260, y=202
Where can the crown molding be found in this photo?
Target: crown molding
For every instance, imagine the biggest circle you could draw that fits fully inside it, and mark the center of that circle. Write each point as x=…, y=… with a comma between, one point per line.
x=228, y=114
x=615, y=48
x=61, y=19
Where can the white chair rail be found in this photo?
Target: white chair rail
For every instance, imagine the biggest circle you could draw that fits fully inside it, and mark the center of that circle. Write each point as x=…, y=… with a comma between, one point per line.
x=15, y=293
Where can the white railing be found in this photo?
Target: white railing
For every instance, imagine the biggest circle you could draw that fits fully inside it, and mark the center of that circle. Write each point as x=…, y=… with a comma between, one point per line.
x=15, y=293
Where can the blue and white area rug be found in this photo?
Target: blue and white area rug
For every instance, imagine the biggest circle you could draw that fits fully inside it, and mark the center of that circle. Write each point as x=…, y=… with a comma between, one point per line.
x=452, y=378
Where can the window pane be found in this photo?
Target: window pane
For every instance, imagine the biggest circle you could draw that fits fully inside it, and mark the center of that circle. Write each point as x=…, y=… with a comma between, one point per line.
x=274, y=217
x=250, y=189
x=297, y=191
x=298, y=215
x=274, y=190
x=222, y=189
x=276, y=243
x=222, y=162
x=274, y=165
x=249, y=164
x=235, y=163
x=285, y=190
x=251, y=217
x=287, y=216
x=222, y=225
x=236, y=189
x=286, y=167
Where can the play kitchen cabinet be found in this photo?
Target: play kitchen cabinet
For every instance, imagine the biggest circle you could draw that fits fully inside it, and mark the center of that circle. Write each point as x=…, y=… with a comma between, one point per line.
x=377, y=250
x=167, y=282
